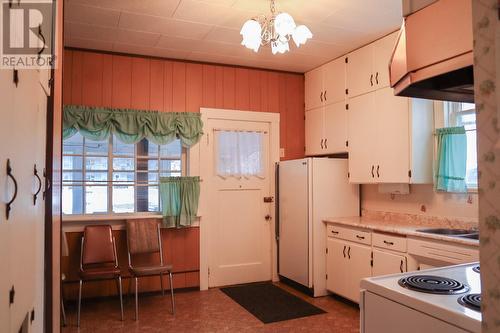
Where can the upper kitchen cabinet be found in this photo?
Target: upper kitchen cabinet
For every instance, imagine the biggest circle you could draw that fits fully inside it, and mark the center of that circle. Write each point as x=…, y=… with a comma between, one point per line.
x=390, y=139
x=368, y=67
x=325, y=85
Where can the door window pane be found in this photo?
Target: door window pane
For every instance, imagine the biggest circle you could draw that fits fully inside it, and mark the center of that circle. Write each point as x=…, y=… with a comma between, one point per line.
x=239, y=153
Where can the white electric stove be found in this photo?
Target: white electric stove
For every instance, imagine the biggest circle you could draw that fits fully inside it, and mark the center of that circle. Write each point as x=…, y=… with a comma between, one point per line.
x=440, y=300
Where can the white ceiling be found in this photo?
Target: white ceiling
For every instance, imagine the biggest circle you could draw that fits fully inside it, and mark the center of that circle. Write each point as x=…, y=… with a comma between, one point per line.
x=208, y=30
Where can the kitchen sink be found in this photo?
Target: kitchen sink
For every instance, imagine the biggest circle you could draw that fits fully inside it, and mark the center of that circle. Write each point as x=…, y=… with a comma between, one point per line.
x=447, y=232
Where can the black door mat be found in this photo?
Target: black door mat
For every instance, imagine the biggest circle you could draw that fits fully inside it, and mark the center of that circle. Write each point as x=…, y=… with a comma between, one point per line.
x=270, y=303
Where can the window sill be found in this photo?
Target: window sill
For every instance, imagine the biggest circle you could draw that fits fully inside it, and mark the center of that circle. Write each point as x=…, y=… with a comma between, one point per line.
x=76, y=223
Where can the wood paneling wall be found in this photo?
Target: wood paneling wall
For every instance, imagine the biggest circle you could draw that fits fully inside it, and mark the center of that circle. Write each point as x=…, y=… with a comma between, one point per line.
x=121, y=81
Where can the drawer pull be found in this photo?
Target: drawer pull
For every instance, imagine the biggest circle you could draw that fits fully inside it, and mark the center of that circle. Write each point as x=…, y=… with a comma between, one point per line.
x=335, y=232
x=360, y=237
x=388, y=243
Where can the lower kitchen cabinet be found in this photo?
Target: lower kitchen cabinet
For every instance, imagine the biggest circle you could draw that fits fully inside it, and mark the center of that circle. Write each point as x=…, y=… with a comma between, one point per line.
x=385, y=263
x=347, y=264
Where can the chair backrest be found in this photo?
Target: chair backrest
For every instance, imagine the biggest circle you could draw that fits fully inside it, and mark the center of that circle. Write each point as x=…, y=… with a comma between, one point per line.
x=98, y=245
x=143, y=236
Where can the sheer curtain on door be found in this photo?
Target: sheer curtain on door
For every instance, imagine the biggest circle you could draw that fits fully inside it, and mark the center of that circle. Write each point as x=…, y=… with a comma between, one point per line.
x=239, y=153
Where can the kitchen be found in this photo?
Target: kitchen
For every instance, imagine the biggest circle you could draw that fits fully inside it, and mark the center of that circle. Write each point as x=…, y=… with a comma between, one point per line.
x=325, y=181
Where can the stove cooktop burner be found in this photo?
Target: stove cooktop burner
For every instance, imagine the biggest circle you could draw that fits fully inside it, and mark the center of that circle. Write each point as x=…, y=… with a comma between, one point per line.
x=476, y=269
x=433, y=284
x=472, y=301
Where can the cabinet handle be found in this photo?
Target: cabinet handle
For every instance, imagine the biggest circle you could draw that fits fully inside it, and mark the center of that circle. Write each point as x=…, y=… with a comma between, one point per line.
x=326, y=140
x=401, y=266
x=349, y=252
x=344, y=251
x=35, y=173
x=388, y=243
x=321, y=96
x=373, y=175
x=11, y=201
x=360, y=237
x=325, y=95
x=335, y=232
x=376, y=77
x=371, y=80
x=322, y=143
x=378, y=174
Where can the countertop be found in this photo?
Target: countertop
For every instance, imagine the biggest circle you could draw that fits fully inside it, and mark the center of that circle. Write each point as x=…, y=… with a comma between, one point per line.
x=395, y=227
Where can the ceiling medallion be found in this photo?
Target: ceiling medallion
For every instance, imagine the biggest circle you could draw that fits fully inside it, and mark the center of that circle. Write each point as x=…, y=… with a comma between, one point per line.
x=276, y=30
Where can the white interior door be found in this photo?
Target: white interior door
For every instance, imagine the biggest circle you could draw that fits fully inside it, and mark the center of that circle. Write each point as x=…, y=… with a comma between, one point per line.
x=239, y=236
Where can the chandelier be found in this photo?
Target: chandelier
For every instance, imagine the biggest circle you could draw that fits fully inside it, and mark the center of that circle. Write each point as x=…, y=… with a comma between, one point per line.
x=276, y=30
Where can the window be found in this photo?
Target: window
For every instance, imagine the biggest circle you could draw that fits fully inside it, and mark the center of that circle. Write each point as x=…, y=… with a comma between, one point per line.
x=239, y=153
x=106, y=177
x=464, y=114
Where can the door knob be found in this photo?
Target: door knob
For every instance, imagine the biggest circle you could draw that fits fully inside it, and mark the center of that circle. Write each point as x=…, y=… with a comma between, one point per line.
x=268, y=217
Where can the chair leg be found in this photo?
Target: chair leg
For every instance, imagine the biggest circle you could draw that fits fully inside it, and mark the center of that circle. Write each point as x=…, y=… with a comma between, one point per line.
x=79, y=303
x=172, y=291
x=161, y=283
x=136, y=298
x=121, y=294
x=63, y=312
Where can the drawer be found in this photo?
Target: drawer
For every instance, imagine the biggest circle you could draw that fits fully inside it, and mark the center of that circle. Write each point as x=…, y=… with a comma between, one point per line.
x=390, y=242
x=351, y=234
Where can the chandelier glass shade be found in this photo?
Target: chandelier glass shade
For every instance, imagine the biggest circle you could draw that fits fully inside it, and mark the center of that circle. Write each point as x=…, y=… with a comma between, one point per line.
x=275, y=30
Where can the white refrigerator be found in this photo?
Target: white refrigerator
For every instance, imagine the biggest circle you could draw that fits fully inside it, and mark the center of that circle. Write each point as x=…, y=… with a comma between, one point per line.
x=310, y=190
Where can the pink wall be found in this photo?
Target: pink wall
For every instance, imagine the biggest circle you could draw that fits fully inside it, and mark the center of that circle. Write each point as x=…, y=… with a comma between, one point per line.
x=120, y=81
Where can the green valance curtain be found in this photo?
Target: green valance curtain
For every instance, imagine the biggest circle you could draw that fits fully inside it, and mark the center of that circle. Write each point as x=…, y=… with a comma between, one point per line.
x=131, y=126
x=451, y=159
x=179, y=199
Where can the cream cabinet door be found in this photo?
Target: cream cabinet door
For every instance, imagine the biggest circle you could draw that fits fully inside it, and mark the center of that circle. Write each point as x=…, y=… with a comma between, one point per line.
x=315, y=131
x=385, y=263
x=362, y=135
x=359, y=267
x=314, y=88
x=336, y=266
x=335, y=128
x=360, y=78
x=393, y=137
x=382, y=51
x=334, y=84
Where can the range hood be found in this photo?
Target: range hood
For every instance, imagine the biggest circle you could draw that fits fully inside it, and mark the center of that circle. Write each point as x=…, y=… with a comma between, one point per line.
x=433, y=57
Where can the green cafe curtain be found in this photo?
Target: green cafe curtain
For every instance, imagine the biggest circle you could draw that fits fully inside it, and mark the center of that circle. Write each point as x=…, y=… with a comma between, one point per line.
x=131, y=126
x=451, y=159
x=179, y=200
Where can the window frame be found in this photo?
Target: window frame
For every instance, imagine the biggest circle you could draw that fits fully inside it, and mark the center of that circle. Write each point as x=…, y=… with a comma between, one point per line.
x=442, y=119
x=109, y=183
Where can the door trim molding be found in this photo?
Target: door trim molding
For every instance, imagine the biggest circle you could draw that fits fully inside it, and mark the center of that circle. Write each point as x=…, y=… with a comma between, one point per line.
x=196, y=156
